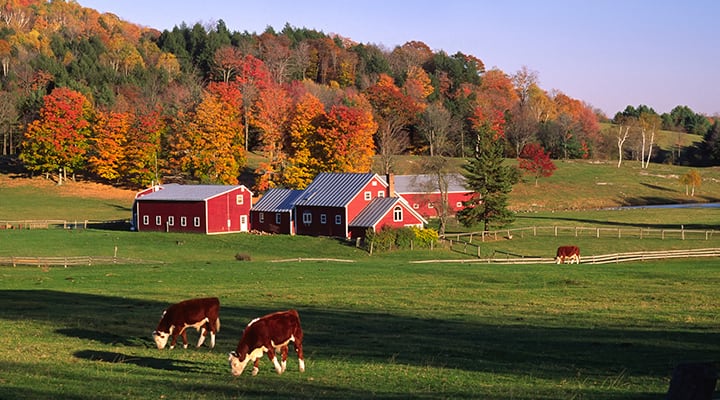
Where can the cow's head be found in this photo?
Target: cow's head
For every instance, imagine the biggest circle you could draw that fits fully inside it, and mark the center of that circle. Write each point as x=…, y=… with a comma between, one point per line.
x=160, y=338
x=237, y=365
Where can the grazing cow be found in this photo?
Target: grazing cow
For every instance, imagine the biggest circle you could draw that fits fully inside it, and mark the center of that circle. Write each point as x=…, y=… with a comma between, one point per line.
x=268, y=334
x=564, y=253
x=201, y=314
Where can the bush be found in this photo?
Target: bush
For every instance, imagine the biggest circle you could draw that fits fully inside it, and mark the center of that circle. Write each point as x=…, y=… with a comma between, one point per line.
x=242, y=257
x=400, y=238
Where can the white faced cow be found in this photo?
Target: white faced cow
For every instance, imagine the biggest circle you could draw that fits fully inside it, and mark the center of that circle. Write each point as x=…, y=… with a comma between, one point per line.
x=201, y=314
x=268, y=334
x=564, y=253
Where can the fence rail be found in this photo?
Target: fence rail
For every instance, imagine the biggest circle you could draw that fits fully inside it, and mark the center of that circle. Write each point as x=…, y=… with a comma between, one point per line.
x=69, y=261
x=585, y=231
x=598, y=259
x=57, y=224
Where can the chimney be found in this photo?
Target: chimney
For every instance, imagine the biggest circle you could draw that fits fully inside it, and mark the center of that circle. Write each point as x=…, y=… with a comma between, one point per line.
x=391, y=184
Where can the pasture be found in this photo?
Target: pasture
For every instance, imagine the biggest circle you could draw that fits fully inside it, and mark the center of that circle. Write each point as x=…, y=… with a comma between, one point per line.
x=380, y=326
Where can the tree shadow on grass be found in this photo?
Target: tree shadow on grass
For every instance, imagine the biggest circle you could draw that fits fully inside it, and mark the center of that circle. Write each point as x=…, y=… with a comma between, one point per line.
x=521, y=344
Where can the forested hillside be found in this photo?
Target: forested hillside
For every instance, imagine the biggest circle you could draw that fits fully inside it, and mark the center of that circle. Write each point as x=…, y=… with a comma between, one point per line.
x=88, y=93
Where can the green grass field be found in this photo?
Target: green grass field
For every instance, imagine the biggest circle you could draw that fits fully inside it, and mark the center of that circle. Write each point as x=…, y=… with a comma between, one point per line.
x=378, y=327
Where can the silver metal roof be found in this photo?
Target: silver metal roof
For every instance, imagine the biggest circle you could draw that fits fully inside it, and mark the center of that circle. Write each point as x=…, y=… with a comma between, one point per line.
x=375, y=210
x=427, y=183
x=176, y=192
x=275, y=200
x=330, y=189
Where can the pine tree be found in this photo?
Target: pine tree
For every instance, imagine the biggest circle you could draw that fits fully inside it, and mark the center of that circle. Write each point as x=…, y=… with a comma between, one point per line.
x=491, y=182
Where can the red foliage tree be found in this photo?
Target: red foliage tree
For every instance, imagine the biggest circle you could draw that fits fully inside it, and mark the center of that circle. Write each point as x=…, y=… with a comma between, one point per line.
x=536, y=161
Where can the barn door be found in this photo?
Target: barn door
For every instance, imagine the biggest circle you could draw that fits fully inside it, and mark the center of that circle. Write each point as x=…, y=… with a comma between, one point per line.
x=243, y=223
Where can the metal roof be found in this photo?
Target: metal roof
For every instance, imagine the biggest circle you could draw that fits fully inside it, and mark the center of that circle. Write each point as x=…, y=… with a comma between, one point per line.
x=374, y=211
x=277, y=200
x=427, y=183
x=176, y=192
x=330, y=189
x=378, y=208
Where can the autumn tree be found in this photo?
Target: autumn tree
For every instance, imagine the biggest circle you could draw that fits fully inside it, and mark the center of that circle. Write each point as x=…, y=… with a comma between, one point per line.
x=691, y=179
x=58, y=139
x=488, y=177
x=302, y=135
x=110, y=134
x=536, y=162
x=217, y=151
x=142, y=149
x=272, y=117
x=648, y=123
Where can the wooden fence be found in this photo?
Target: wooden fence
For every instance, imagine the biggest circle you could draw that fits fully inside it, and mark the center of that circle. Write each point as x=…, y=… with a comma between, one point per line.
x=71, y=260
x=585, y=231
x=599, y=259
x=60, y=224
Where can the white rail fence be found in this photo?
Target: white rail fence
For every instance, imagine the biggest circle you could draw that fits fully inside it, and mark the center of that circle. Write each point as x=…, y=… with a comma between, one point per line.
x=70, y=261
x=613, y=258
x=585, y=231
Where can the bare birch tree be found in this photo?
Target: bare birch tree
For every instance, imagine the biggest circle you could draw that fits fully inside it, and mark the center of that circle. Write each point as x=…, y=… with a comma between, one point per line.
x=622, y=135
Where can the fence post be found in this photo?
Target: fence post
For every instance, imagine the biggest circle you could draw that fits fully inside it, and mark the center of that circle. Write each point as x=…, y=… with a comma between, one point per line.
x=598, y=233
x=556, y=231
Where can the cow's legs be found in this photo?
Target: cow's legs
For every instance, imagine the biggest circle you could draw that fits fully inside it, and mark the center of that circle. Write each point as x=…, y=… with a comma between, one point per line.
x=299, y=350
x=271, y=356
x=184, y=338
x=284, y=354
x=173, y=342
x=256, y=367
x=201, y=339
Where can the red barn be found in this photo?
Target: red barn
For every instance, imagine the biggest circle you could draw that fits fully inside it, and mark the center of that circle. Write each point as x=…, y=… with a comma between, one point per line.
x=333, y=200
x=423, y=194
x=208, y=209
x=275, y=211
x=394, y=212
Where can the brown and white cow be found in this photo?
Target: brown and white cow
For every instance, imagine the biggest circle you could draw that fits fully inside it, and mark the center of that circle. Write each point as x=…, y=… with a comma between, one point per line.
x=564, y=253
x=201, y=314
x=268, y=334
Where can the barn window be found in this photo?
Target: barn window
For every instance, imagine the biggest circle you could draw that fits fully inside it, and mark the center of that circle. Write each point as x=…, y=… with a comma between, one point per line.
x=338, y=219
x=261, y=217
x=397, y=214
x=381, y=193
x=171, y=220
x=196, y=221
x=239, y=200
x=158, y=220
x=146, y=220
x=183, y=221
x=323, y=218
x=458, y=204
x=416, y=206
x=278, y=218
x=374, y=183
x=431, y=205
x=368, y=195
x=307, y=218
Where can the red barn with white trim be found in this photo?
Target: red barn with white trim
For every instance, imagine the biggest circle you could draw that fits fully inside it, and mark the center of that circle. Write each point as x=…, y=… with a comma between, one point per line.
x=423, y=194
x=209, y=209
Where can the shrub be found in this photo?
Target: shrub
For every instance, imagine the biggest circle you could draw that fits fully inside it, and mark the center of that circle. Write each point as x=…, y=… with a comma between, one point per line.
x=242, y=257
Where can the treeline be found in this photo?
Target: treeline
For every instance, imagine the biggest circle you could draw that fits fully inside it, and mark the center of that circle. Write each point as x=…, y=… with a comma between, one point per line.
x=84, y=92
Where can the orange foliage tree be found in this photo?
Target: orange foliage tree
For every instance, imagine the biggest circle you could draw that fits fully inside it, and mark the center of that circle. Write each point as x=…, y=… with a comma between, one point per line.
x=301, y=165
x=58, y=140
x=272, y=117
x=110, y=133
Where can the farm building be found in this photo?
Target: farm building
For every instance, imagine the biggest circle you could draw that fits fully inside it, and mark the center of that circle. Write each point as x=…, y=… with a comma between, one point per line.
x=423, y=194
x=337, y=205
x=209, y=209
x=275, y=211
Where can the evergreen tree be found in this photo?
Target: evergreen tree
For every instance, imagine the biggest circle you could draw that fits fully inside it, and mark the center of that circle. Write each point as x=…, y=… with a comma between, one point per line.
x=490, y=180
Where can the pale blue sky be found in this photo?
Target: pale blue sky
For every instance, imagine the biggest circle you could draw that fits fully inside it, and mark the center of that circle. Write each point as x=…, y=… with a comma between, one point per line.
x=608, y=53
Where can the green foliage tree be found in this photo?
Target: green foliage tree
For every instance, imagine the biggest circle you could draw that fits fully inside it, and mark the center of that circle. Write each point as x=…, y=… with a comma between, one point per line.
x=491, y=181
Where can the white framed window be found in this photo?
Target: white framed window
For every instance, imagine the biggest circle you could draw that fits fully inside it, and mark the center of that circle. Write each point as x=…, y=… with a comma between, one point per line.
x=431, y=205
x=338, y=219
x=307, y=218
x=368, y=195
x=278, y=218
x=146, y=220
x=196, y=222
x=397, y=214
x=171, y=221
x=323, y=219
x=158, y=220
x=239, y=200
x=458, y=204
x=374, y=183
x=183, y=221
x=416, y=206
x=381, y=193
x=261, y=217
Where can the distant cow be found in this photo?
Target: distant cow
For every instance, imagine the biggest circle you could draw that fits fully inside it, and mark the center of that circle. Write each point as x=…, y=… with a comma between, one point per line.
x=201, y=314
x=564, y=253
x=268, y=334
